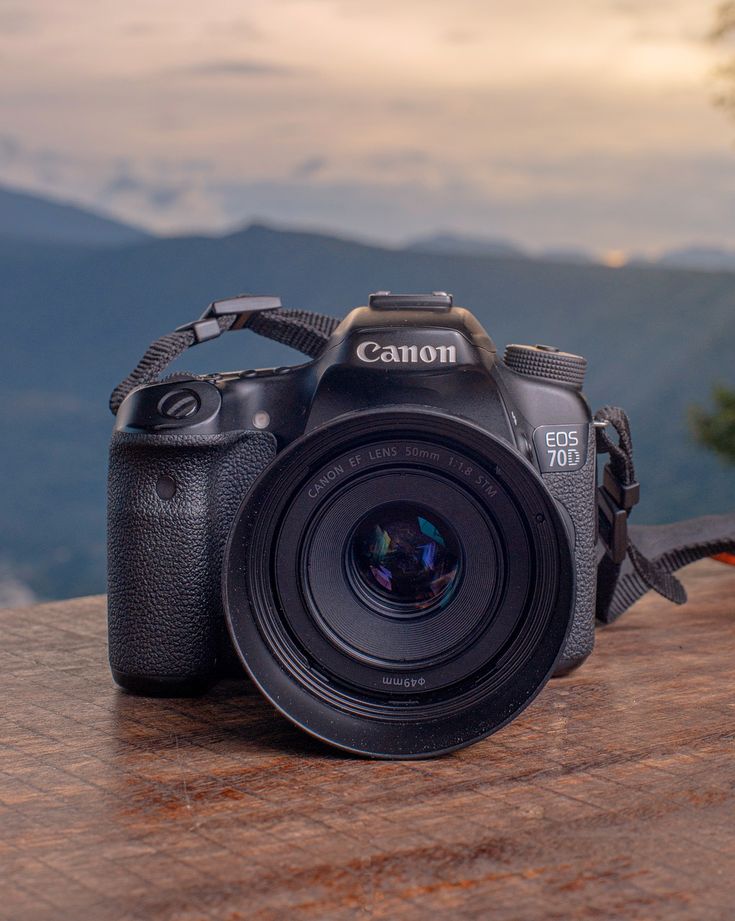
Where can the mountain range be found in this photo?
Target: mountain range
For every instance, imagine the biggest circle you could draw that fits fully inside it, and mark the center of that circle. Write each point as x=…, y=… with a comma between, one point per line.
x=694, y=256
x=28, y=217
x=79, y=311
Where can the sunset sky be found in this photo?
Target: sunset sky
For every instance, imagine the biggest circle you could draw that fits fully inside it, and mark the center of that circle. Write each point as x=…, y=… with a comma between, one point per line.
x=568, y=123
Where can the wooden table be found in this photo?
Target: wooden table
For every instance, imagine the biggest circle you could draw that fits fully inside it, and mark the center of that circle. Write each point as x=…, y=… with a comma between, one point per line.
x=613, y=796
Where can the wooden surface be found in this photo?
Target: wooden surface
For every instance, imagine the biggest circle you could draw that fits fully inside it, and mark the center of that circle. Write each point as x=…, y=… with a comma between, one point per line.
x=613, y=796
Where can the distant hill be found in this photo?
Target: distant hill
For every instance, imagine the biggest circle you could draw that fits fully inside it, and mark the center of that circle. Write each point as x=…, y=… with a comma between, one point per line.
x=568, y=254
x=696, y=257
x=452, y=244
x=706, y=258
x=30, y=217
x=76, y=319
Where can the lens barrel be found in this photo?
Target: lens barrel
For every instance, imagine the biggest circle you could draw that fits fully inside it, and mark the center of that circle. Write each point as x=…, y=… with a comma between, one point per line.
x=399, y=583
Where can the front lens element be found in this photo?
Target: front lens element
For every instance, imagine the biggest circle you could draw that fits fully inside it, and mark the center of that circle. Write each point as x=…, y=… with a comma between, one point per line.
x=405, y=556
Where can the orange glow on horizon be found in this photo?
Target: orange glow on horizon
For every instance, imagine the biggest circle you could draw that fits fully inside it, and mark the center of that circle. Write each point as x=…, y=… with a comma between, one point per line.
x=615, y=258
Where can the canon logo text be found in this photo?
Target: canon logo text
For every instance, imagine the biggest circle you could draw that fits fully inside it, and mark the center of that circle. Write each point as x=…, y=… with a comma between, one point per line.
x=407, y=354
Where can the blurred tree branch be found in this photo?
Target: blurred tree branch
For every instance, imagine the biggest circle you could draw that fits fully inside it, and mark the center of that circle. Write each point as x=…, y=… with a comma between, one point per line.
x=723, y=33
x=715, y=428
x=724, y=21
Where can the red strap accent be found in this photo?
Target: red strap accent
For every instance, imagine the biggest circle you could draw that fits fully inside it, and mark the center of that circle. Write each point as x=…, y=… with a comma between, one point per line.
x=728, y=558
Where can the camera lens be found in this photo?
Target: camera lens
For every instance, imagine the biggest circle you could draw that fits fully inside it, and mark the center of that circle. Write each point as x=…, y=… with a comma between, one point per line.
x=400, y=599
x=405, y=558
x=399, y=583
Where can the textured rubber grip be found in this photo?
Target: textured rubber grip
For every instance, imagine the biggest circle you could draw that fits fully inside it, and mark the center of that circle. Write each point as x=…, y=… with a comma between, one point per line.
x=171, y=500
x=576, y=492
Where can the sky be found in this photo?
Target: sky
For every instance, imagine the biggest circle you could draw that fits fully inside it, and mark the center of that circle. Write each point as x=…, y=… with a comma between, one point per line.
x=573, y=123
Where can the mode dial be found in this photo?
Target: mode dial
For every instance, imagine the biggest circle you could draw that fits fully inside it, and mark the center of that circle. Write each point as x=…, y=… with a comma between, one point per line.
x=546, y=361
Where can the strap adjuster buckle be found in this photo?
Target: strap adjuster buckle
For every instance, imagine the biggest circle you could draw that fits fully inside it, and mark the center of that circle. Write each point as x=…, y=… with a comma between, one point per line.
x=614, y=502
x=244, y=306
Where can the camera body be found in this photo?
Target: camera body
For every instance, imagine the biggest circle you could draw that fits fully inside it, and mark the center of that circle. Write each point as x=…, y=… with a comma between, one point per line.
x=188, y=453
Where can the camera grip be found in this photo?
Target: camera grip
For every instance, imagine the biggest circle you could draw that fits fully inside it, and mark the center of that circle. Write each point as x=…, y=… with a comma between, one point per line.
x=171, y=500
x=576, y=491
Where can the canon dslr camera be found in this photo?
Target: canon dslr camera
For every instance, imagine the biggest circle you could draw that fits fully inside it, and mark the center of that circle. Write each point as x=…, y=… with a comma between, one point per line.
x=397, y=539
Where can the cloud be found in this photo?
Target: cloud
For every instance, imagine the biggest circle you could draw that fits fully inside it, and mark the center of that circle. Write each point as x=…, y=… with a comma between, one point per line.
x=16, y=20
x=541, y=197
x=160, y=192
x=240, y=27
x=239, y=68
x=161, y=196
x=552, y=119
x=391, y=159
x=603, y=202
x=9, y=149
x=459, y=36
x=311, y=166
x=654, y=21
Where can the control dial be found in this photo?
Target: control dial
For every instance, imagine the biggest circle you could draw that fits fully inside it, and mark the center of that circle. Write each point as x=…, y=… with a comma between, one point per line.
x=546, y=361
x=178, y=404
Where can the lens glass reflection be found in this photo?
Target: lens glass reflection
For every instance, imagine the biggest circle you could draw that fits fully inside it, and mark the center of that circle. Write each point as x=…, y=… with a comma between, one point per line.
x=405, y=556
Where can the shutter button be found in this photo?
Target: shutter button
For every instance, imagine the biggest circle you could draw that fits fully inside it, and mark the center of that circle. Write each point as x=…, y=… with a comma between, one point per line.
x=178, y=404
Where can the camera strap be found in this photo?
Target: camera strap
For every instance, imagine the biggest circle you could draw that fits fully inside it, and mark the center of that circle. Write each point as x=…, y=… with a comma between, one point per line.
x=632, y=559
x=302, y=330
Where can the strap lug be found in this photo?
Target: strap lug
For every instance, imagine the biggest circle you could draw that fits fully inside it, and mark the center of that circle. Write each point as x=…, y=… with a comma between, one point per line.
x=244, y=306
x=625, y=497
x=614, y=502
x=613, y=526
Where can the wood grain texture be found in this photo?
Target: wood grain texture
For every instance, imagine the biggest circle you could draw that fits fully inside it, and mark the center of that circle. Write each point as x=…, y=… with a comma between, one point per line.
x=613, y=796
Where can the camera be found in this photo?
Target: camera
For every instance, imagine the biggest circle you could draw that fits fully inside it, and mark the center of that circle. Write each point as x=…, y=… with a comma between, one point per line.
x=396, y=539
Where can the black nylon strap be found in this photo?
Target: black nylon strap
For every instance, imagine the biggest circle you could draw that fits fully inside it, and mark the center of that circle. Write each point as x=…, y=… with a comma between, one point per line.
x=621, y=452
x=668, y=547
x=652, y=553
x=301, y=330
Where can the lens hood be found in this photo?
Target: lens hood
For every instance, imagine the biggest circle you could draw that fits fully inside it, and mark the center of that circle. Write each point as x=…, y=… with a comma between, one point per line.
x=352, y=669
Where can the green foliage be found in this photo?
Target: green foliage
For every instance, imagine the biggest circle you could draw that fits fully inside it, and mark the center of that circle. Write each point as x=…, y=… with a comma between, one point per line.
x=715, y=428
